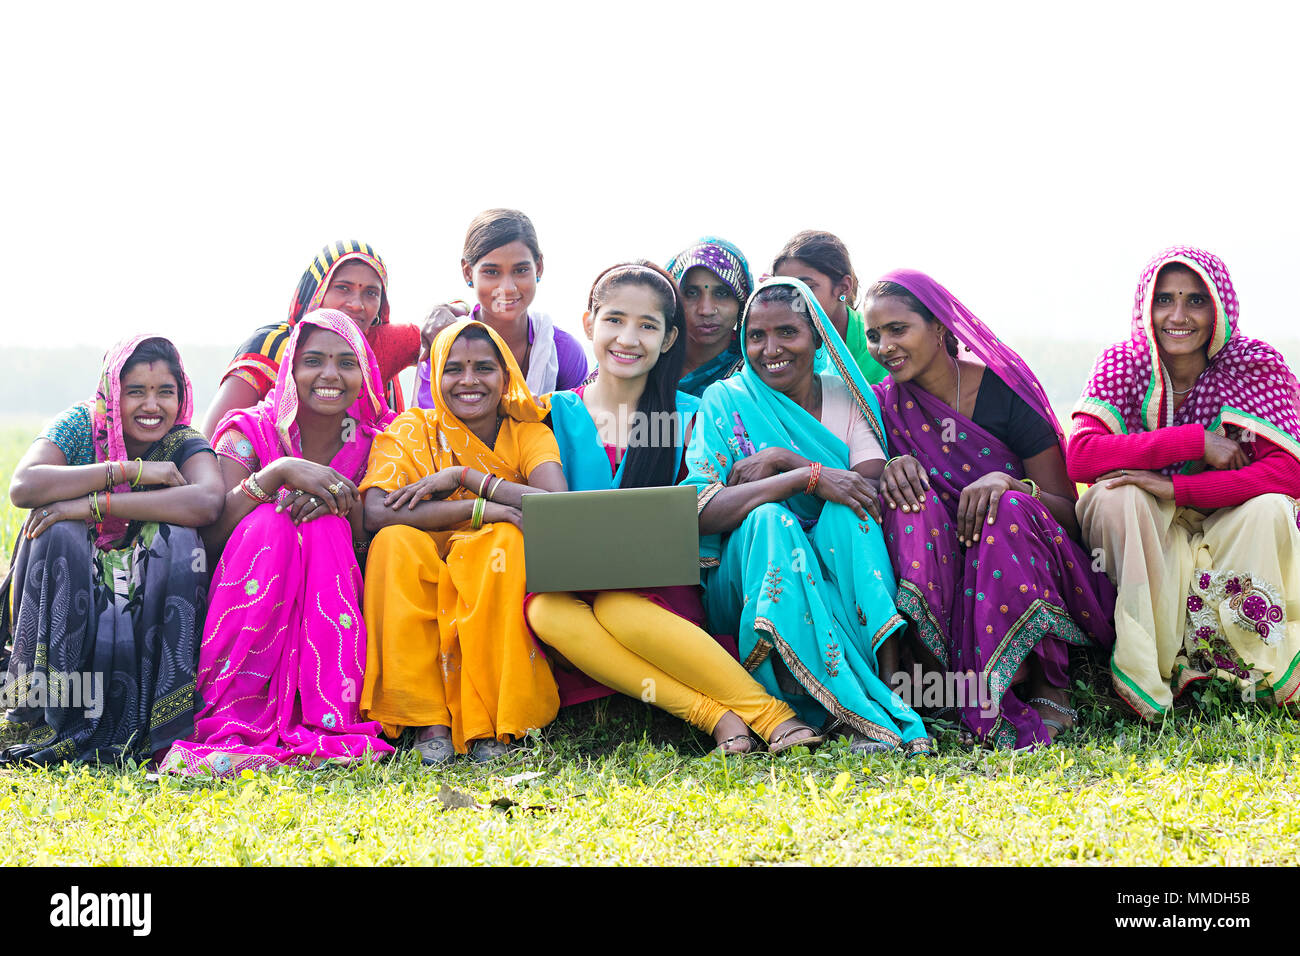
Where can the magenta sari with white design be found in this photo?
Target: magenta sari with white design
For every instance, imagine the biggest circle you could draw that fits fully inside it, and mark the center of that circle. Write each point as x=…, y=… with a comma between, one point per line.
x=280, y=666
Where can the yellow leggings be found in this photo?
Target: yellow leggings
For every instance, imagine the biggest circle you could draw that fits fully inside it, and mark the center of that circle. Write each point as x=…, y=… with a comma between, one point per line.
x=633, y=645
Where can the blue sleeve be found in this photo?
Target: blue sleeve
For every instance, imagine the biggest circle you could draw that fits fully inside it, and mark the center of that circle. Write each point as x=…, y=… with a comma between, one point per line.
x=70, y=433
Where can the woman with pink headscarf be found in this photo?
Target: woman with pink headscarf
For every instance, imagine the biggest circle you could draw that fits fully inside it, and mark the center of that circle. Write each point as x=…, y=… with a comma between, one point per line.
x=109, y=580
x=1191, y=432
x=282, y=656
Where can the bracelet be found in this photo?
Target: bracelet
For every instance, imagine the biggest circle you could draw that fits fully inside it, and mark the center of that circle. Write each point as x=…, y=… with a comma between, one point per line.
x=93, y=498
x=482, y=484
x=250, y=488
x=108, y=475
x=814, y=478
x=492, y=489
x=894, y=459
x=108, y=504
x=139, y=474
x=1033, y=487
x=476, y=519
x=254, y=490
x=464, y=473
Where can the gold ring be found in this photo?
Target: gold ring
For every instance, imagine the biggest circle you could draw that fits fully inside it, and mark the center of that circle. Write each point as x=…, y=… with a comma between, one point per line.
x=335, y=488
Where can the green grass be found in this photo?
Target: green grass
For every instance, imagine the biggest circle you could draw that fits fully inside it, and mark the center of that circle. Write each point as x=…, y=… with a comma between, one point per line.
x=618, y=782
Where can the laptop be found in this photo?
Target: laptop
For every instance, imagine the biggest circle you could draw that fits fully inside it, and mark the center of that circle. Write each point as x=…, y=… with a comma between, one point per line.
x=603, y=540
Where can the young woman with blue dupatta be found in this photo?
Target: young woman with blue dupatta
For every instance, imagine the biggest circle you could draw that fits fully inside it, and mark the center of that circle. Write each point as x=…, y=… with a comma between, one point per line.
x=715, y=281
x=608, y=438
x=783, y=456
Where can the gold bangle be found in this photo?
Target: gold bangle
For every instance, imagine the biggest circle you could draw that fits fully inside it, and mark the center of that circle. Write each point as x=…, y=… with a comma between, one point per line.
x=476, y=518
x=492, y=489
x=482, y=484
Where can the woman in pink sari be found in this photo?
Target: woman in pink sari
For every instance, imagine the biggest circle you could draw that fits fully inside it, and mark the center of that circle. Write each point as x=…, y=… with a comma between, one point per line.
x=283, y=651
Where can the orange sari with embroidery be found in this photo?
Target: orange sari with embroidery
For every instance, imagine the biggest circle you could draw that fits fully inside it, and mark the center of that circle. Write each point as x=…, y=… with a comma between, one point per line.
x=444, y=610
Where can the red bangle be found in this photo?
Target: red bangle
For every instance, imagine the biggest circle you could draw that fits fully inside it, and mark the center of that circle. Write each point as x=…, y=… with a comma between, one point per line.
x=108, y=504
x=464, y=473
x=814, y=478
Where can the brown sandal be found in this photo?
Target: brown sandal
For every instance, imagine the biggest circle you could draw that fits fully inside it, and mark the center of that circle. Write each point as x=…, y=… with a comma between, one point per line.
x=780, y=743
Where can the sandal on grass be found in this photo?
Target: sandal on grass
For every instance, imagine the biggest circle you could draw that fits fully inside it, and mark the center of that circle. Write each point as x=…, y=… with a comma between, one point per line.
x=752, y=746
x=782, y=742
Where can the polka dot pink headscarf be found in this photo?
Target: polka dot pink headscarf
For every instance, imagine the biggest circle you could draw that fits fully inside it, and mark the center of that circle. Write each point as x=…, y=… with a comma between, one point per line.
x=1247, y=386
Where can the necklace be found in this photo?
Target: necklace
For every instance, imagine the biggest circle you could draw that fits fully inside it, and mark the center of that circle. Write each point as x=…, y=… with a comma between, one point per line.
x=1182, y=391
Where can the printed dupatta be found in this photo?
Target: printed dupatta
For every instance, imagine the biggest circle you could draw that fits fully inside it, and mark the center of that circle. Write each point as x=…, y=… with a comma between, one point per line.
x=979, y=339
x=106, y=425
x=1246, y=385
x=728, y=263
x=741, y=415
x=432, y=439
x=271, y=425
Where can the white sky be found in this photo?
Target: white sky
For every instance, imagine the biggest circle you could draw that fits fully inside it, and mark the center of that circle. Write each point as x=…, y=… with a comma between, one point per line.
x=175, y=166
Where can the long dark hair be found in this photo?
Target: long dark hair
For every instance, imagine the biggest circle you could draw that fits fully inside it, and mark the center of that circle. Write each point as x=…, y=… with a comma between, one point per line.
x=651, y=464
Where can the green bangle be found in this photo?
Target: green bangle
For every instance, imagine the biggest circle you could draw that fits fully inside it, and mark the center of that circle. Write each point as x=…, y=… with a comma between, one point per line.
x=476, y=519
x=894, y=459
x=1033, y=487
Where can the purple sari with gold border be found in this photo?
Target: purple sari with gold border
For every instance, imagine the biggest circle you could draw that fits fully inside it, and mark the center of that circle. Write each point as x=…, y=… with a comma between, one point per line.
x=1026, y=588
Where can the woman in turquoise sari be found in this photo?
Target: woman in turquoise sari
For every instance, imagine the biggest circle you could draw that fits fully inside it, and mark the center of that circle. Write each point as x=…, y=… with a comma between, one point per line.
x=783, y=457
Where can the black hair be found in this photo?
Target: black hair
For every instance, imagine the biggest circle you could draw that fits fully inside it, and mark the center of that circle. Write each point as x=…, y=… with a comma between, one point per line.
x=892, y=290
x=793, y=298
x=825, y=252
x=158, y=350
x=652, y=464
x=495, y=228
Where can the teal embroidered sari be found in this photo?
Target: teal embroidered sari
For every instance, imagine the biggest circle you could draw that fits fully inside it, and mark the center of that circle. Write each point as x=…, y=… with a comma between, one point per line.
x=806, y=585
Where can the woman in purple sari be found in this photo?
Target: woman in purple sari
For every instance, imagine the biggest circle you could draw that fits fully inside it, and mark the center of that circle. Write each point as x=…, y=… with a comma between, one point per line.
x=980, y=520
x=284, y=647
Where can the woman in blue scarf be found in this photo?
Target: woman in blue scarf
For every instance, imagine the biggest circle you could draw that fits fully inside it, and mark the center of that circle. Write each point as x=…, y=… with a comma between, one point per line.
x=648, y=639
x=782, y=457
x=715, y=281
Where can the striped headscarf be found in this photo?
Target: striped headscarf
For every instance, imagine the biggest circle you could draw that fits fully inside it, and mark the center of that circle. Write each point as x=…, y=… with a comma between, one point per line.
x=315, y=278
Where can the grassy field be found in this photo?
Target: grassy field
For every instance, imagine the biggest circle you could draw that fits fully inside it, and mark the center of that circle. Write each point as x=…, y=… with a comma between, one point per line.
x=615, y=782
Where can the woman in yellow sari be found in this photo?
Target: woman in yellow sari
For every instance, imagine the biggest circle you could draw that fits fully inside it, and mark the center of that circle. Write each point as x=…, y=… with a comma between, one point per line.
x=449, y=650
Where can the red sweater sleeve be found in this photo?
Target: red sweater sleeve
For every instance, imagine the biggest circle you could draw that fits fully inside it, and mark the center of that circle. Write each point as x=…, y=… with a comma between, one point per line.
x=1274, y=471
x=1093, y=450
x=396, y=347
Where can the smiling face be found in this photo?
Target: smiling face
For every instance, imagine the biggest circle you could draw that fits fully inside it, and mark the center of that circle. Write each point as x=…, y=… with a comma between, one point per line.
x=327, y=372
x=356, y=291
x=472, y=381
x=1182, y=312
x=712, y=309
x=827, y=289
x=629, y=331
x=902, y=340
x=150, y=403
x=505, y=281
x=779, y=345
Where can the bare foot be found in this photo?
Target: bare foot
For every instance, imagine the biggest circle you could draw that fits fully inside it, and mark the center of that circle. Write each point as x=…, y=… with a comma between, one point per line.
x=1053, y=706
